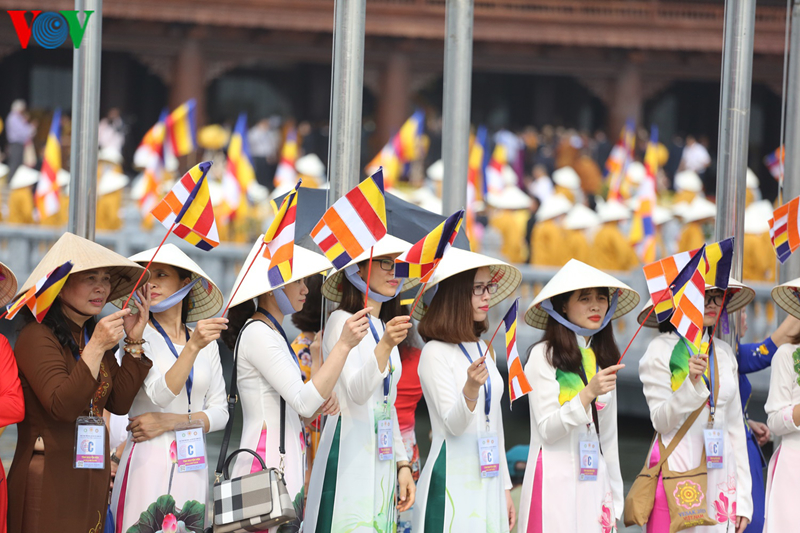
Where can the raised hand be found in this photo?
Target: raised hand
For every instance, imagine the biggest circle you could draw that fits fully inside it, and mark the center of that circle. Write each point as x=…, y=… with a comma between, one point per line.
x=396, y=330
x=135, y=323
x=109, y=330
x=208, y=331
x=355, y=328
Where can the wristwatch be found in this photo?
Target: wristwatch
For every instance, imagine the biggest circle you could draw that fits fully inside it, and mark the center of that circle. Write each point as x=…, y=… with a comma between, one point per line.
x=114, y=458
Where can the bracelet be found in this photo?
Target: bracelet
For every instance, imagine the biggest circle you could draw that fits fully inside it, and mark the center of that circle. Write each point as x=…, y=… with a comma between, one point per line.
x=128, y=340
x=405, y=466
x=114, y=458
x=468, y=398
x=133, y=351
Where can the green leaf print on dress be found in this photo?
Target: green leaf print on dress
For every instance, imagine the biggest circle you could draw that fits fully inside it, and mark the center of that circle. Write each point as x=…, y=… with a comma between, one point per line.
x=162, y=516
x=796, y=359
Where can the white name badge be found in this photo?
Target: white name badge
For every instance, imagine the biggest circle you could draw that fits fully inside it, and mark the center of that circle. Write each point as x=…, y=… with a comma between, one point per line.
x=590, y=460
x=489, y=455
x=191, y=444
x=90, y=443
x=385, y=440
x=714, y=448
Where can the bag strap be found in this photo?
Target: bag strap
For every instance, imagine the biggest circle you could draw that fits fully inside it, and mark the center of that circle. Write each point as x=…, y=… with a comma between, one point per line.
x=233, y=399
x=679, y=435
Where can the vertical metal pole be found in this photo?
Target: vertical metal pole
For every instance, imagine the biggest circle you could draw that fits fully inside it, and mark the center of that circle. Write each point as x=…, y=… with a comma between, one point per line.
x=791, y=181
x=85, y=121
x=347, y=86
x=456, y=103
x=734, y=129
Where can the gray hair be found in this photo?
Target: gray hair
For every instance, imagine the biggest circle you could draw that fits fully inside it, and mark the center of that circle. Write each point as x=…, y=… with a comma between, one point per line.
x=18, y=105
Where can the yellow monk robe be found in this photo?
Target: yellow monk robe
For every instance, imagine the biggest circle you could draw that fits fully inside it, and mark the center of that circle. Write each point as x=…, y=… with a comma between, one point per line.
x=108, y=207
x=547, y=245
x=611, y=250
x=577, y=246
x=569, y=193
x=512, y=225
x=692, y=237
x=749, y=197
x=683, y=196
x=20, y=206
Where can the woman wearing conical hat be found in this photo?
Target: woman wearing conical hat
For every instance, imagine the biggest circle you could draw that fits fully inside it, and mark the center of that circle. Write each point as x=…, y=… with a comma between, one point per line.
x=361, y=459
x=783, y=420
x=677, y=381
x=572, y=478
x=463, y=389
x=69, y=376
x=185, y=388
x=12, y=403
x=269, y=374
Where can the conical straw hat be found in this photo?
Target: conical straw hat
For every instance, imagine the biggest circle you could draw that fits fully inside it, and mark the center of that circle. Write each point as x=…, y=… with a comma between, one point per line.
x=699, y=209
x=88, y=255
x=581, y=217
x=574, y=276
x=305, y=263
x=112, y=181
x=8, y=285
x=787, y=296
x=739, y=295
x=205, y=302
x=456, y=260
x=554, y=206
x=388, y=245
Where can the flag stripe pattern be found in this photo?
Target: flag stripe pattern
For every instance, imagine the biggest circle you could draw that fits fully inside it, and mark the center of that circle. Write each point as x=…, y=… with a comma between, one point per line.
x=41, y=296
x=784, y=229
x=354, y=223
x=182, y=127
x=46, y=194
x=286, y=175
x=279, y=239
x=643, y=231
x=518, y=384
x=239, y=172
x=719, y=260
x=429, y=250
x=402, y=148
x=660, y=275
x=617, y=163
x=690, y=306
x=188, y=205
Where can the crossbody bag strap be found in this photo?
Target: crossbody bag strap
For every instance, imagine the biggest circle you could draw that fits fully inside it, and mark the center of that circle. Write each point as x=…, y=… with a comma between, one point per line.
x=680, y=434
x=233, y=399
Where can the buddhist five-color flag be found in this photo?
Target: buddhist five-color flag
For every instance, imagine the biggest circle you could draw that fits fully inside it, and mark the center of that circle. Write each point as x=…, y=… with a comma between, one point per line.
x=617, y=163
x=46, y=193
x=493, y=173
x=181, y=127
x=643, y=231
x=279, y=239
x=151, y=150
x=689, y=300
x=187, y=207
x=719, y=260
x=41, y=296
x=477, y=153
x=239, y=173
x=518, y=384
x=662, y=274
x=784, y=229
x=421, y=259
x=774, y=162
x=354, y=223
x=403, y=148
x=286, y=175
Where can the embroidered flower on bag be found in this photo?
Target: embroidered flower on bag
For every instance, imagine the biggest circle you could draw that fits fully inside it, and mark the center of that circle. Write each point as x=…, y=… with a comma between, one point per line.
x=723, y=513
x=688, y=494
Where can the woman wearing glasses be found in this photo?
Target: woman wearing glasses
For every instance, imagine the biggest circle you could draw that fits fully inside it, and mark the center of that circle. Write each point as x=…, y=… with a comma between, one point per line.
x=677, y=382
x=572, y=479
x=465, y=484
x=361, y=457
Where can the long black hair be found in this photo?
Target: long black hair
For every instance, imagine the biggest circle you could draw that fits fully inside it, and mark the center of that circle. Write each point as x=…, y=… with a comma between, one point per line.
x=237, y=317
x=57, y=321
x=353, y=301
x=562, y=345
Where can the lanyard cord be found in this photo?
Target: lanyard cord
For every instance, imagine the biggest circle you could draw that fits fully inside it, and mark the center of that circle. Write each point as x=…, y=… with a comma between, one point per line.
x=77, y=355
x=282, y=333
x=387, y=381
x=487, y=387
x=171, y=346
x=595, y=415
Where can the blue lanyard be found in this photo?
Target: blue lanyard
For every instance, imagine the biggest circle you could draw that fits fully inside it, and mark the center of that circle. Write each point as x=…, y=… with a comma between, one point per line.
x=283, y=334
x=487, y=387
x=387, y=381
x=190, y=379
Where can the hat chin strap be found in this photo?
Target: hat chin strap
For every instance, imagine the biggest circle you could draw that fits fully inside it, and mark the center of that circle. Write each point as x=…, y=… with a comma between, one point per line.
x=351, y=273
x=547, y=305
x=175, y=298
x=284, y=304
x=71, y=308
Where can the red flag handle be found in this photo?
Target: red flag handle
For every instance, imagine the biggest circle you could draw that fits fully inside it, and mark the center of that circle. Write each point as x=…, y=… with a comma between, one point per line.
x=242, y=280
x=495, y=333
x=664, y=297
x=148, y=265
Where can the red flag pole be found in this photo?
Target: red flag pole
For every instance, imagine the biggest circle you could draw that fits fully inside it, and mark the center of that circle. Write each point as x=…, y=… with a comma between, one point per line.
x=369, y=274
x=245, y=275
x=424, y=284
x=664, y=297
x=148, y=265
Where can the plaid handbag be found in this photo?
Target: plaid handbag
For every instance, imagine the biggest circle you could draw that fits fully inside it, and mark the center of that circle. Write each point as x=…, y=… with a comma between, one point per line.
x=253, y=502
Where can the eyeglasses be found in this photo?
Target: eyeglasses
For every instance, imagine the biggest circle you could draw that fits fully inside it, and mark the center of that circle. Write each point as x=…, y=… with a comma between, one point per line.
x=491, y=288
x=386, y=264
x=714, y=299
